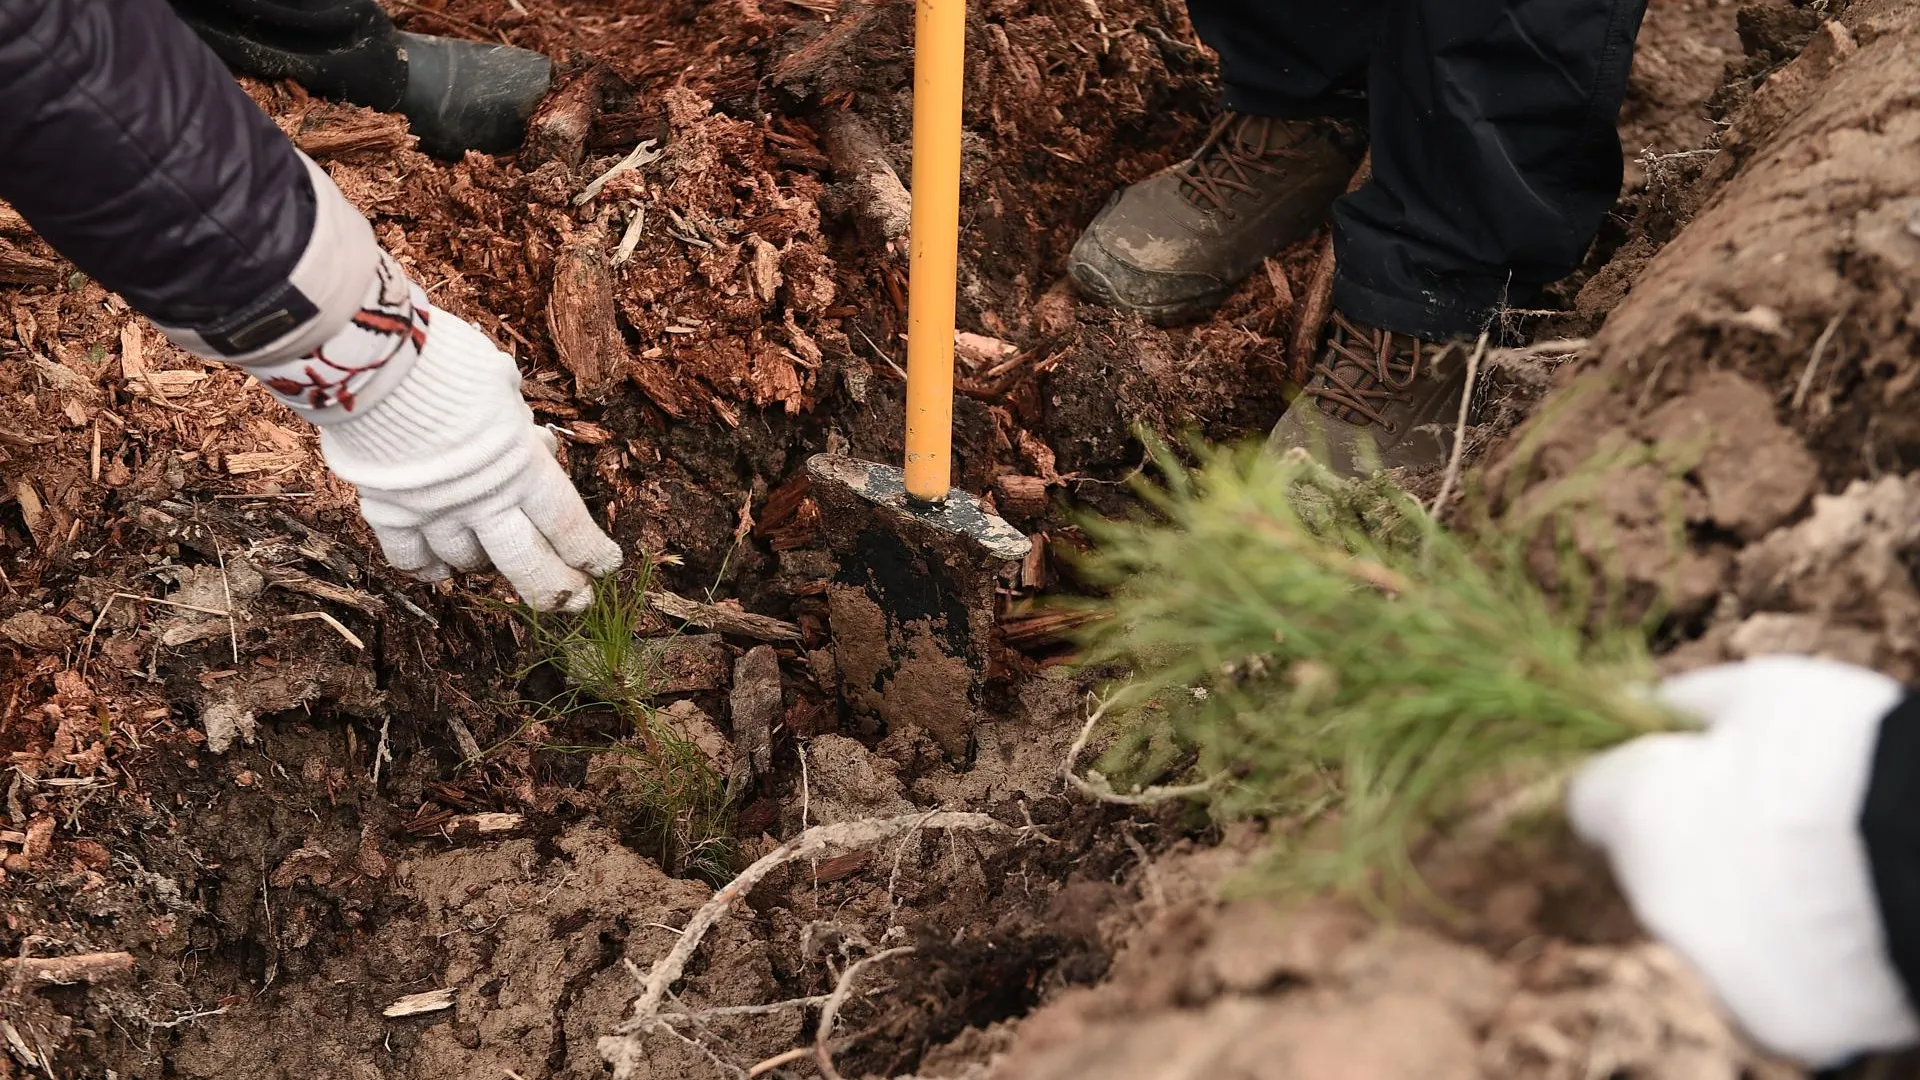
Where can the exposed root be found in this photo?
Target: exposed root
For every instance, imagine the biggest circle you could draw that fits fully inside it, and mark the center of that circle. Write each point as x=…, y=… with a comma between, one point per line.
x=831, y=1012
x=809, y=844
x=1095, y=787
x=1458, y=453
x=66, y=970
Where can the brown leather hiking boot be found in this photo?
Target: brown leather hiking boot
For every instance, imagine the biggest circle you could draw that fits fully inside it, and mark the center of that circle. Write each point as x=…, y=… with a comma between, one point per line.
x=1174, y=245
x=1376, y=400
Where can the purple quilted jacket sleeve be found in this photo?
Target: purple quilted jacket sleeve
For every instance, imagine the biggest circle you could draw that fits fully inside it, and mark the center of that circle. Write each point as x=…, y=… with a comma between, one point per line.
x=127, y=145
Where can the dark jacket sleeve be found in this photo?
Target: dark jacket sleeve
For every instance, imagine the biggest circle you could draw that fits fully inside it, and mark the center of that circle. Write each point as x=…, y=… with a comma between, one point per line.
x=126, y=144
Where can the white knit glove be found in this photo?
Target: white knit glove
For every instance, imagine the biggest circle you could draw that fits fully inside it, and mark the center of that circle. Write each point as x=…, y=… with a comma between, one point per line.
x=1739, y=847
x=417, y=410
x=454, y=473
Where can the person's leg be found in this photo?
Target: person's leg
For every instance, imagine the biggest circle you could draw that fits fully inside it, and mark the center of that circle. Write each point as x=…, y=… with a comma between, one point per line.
x=457, y=95
x=1495, y=159
x=1292, y=60
x=1174, y=245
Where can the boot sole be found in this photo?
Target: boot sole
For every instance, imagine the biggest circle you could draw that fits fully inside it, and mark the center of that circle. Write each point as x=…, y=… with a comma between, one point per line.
x=1095, y=286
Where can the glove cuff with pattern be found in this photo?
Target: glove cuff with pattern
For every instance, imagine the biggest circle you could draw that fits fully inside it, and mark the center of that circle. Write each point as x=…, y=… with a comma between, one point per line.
x=454, y=474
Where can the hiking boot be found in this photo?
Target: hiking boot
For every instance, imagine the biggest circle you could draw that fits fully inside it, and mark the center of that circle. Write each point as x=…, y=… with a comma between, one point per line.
x=1174, y=245
x=1376, y=400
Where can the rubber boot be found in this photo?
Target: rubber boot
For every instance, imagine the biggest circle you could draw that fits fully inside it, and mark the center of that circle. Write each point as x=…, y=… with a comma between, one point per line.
x=456, y=95
x=468, y=95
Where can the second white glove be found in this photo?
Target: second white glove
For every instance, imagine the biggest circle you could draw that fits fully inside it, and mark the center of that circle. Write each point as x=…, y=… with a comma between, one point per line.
x=1740, y=848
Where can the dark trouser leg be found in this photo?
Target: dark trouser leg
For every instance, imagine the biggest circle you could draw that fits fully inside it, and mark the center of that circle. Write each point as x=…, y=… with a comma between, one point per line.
x=1291, y=59
x=1495, y=158
x=347, y=50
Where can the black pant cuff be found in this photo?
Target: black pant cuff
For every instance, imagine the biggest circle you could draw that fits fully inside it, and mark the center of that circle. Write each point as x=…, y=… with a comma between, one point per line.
x=1432, y=318
x=1254, y=102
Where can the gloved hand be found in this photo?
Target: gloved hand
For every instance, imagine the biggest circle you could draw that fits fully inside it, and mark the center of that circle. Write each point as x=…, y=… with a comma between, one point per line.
x=416, y=409
x=1757, y=849
x=453, y=472
x=423, y=415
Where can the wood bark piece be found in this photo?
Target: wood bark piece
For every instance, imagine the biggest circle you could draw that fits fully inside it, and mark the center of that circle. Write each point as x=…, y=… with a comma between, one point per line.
x=562, y=125
x=722, y=619
x=19, y=268
x=1319, y=300
x=881, y=201
x=580, y=315
x=755, y=700
x=284, y=577
x=372, y=133
x=66, y=970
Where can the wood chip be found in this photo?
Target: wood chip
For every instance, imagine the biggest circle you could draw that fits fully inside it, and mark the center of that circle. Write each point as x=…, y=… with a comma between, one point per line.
x=725, y=620
x=363, y=133
x=417, y=1004
x=483, y=826
x=67, y=970
x=24, y=441
x=133, y=355
x=265, y=461
x=163, y=386
x=19, y=268
x=33, y=512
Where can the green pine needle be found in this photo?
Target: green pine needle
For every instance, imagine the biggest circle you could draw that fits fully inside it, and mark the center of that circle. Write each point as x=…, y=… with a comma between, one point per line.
x=1316, y=643
x=665, y=796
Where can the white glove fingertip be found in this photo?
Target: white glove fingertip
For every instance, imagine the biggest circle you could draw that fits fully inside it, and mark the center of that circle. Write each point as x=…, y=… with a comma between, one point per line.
x=544, y=581
x=457, y=546
x=407, y=551
x=561, y=515
x=1612, y=787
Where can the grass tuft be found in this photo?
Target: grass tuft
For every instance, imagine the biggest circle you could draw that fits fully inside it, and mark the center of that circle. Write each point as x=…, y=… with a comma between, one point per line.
x=1316, y=645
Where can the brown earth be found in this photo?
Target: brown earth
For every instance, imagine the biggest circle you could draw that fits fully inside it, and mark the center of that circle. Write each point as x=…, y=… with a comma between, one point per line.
x=333, y=795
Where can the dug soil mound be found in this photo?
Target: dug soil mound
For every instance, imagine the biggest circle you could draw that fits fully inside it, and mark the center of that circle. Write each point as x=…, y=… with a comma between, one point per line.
x=301, y=817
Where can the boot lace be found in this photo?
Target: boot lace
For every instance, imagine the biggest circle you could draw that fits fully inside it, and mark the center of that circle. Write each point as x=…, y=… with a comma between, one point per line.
x=1237, y=151
x=1364, y=370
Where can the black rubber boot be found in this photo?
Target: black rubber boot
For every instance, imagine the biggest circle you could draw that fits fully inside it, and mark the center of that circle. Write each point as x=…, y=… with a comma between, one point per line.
x=468, y=95
x=456, y=95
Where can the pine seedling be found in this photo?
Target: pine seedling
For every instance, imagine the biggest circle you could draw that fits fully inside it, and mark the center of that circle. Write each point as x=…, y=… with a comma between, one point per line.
x=1312, y=643
x=601, y=652
x=666, y=796
x=663, y=790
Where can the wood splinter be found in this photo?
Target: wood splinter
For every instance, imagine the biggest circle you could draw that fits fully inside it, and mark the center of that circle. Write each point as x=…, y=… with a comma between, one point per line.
x=66, y=970
x=1318, y=303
